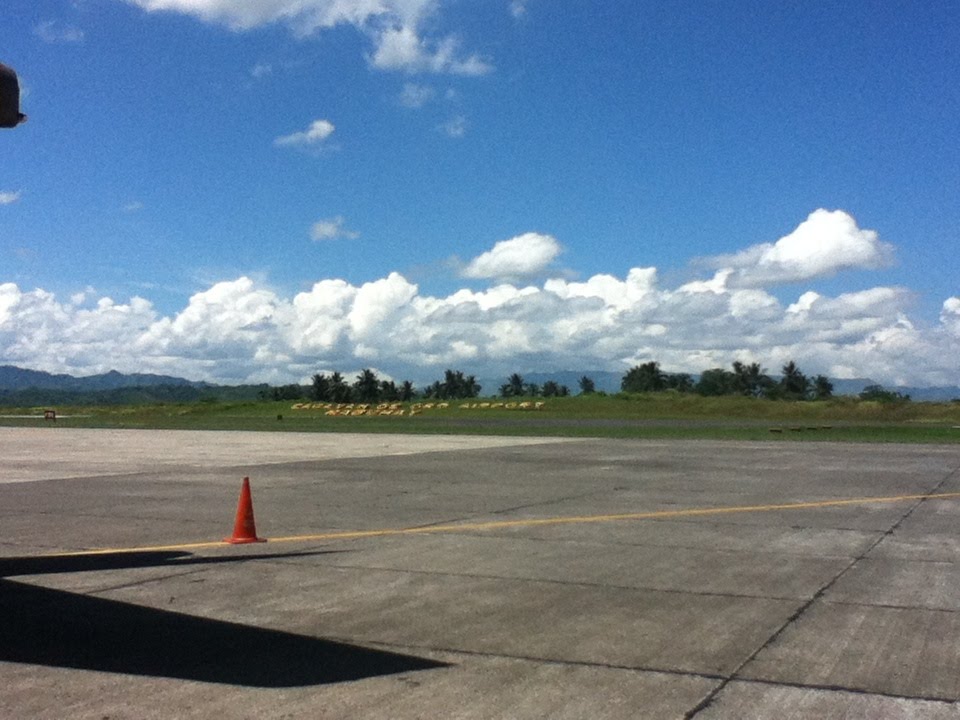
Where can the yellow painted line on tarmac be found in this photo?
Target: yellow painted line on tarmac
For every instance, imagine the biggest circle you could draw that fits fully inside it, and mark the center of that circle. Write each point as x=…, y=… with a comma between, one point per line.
x=525, y=522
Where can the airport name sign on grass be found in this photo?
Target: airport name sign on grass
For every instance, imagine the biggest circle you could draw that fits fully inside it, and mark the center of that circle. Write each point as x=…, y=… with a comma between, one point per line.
x=649, y=415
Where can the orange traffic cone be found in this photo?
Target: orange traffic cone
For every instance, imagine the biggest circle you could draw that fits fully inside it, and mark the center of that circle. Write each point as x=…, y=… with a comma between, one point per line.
x=244, y=528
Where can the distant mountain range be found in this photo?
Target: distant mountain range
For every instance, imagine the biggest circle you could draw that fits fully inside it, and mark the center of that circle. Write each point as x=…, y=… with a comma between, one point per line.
x=15, y=380
x=27, y=388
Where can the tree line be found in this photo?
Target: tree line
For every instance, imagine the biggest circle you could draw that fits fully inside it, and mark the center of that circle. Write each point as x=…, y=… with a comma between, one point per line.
x=744, y=379
x=748, y=380
x=517, y=387
x=367, y=387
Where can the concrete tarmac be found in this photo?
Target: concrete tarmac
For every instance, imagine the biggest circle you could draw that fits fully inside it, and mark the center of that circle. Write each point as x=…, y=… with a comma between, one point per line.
x=460, y=577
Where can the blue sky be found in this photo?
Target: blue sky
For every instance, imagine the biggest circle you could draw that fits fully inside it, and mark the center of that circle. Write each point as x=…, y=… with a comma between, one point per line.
x=237, y=190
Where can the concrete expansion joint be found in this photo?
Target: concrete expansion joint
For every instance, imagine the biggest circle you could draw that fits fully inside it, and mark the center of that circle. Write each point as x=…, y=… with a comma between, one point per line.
x=800, y=611
x=847, y=689
x=546, y=503
x=443, y=523
x=404, y=647
x=911, y=561
x=887, y=606
x=562, y=583
x=721, y=521
x=656, y=546
x=896, y=526
x=145, y=581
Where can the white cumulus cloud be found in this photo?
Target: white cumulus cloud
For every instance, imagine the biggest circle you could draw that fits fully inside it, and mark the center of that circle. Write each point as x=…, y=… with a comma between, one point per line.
x=455, y=127
x=950, y=315
x=416, y=96
x=54, y=31
x=822, y=245
x=9, y=198
x=523, y=256
x=401, y=48
x=313, y=136
x=303, y=15
x=261, y=70
x=376, y=302
x=331, y=229
x=393, y=26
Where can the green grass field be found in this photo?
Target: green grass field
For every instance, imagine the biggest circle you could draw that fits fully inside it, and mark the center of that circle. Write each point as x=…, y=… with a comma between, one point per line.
x=661, y=415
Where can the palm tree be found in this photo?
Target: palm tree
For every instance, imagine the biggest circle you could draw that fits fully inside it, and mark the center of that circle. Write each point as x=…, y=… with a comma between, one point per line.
x=794, y=383
x=471, y=387
x=643, y=378
x=716, y=381
x=749, y=379
x=321, y=388
x=455, y=385
x=681, y=382
x=367, y=386
x=514, y=387
x=388, y=391
x=339, y=390
x=450, y=387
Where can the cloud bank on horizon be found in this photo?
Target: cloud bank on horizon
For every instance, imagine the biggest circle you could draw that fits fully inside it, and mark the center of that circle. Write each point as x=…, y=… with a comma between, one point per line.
x=240, y=330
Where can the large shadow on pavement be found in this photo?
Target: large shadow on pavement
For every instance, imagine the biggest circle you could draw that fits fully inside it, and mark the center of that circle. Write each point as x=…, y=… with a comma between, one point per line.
x=56, y=628
x=66, y=563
